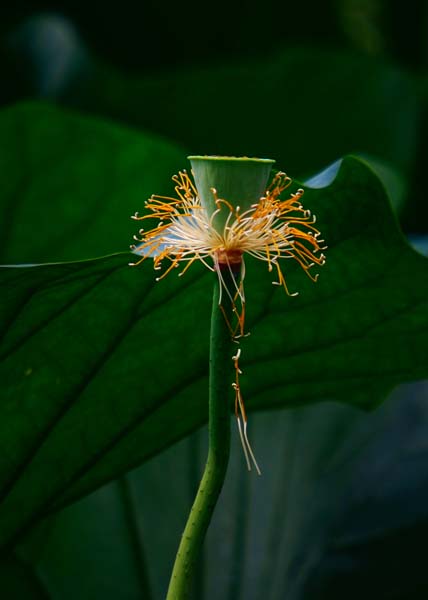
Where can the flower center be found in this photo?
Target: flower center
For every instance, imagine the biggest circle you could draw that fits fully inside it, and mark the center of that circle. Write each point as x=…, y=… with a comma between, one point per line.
x=229, y=259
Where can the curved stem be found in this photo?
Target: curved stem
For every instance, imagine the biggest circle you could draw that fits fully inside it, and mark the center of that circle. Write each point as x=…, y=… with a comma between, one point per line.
x=218, y=452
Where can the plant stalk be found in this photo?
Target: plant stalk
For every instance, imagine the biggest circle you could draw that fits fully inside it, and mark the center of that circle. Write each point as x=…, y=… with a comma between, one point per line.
x=218, y=451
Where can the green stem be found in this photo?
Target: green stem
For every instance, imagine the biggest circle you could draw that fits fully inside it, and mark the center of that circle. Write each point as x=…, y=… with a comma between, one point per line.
x=218, y=453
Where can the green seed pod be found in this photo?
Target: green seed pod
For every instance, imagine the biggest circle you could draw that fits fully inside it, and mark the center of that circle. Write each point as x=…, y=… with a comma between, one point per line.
x=241, y=181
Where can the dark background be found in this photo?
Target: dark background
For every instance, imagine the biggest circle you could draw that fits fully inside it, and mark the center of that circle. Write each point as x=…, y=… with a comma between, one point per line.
x=331, y=78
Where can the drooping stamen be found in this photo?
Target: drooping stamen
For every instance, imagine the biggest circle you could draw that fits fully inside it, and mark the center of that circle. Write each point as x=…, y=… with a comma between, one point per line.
x=240, y=413
x=232, y=263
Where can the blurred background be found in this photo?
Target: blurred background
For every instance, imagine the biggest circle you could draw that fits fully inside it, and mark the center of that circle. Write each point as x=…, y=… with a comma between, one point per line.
x=304, y=83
